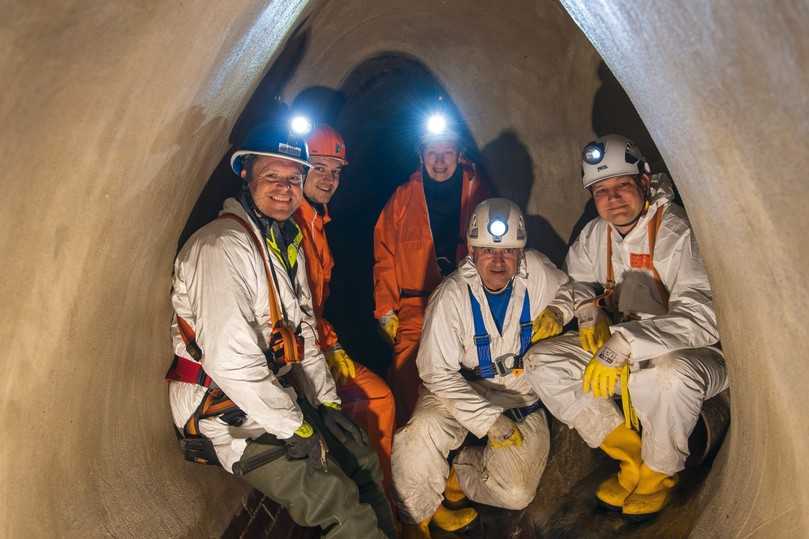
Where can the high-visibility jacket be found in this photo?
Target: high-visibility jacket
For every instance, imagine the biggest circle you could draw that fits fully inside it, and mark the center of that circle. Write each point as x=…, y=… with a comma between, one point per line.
x=448, y=340
x=320, y=263
x=220, y=289
x=687, y=319
x=404, y=253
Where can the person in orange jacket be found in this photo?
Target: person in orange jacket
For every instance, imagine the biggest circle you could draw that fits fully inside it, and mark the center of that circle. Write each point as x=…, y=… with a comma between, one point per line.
x=418, y=239
x=365, y=396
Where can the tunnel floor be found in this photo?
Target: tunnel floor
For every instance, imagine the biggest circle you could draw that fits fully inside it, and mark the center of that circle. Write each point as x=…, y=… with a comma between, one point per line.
x=576, y=515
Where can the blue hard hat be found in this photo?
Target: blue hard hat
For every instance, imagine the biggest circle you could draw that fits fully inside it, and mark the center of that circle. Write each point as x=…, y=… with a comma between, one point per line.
x=272, y=140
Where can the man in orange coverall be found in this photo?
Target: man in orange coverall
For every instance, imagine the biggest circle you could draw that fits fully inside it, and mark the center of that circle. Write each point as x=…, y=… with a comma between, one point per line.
x=418, y=239
x=366, y=398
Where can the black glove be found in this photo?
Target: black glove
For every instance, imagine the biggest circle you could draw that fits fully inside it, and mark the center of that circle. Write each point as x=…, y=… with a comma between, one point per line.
x=342, y=427
x=308, y=444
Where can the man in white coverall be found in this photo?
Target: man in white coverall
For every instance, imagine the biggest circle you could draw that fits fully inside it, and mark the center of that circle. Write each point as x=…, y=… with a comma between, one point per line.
x=478, y=324
x=242, y=312
x=651, y=331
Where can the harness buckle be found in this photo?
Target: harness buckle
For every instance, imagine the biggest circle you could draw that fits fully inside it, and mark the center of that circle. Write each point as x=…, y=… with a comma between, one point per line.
x=504, y=367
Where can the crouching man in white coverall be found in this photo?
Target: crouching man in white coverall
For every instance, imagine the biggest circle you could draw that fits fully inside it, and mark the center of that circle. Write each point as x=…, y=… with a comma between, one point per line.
x=242, y=391
x=654, y=336
x=478, y=324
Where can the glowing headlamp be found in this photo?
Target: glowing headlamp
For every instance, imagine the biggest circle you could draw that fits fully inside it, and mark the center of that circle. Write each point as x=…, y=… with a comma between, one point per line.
x=593, y=153
x=300, y=125
x=498, y=229
x=436, y=124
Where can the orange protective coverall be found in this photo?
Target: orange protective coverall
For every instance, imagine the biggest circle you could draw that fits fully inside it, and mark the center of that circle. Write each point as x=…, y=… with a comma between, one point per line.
x=406, y=272
x=366, y=398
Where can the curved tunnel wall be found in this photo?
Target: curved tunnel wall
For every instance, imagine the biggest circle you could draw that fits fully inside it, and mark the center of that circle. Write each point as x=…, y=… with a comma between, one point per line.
x=115, y=116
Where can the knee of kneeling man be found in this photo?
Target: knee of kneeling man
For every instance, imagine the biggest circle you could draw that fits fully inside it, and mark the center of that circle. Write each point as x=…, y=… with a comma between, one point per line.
x=675, y=376
x=520, y=496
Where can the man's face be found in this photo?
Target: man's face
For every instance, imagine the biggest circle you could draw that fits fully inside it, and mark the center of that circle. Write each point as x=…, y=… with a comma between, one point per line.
x=496, y=265
x=323, y=179
x=275, y=185
x=619, y=200
x=440, y=159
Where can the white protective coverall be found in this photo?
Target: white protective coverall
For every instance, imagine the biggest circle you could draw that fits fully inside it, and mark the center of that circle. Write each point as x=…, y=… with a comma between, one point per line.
x=220, y=288
x=450, y=406
x=674, y=367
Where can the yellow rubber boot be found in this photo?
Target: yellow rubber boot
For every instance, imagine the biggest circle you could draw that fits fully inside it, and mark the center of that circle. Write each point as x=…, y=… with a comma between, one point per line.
x=623, y=445
x=417, y=531
x=453, y=492
x=651, y=494
x=453, y=520
x=456, y=516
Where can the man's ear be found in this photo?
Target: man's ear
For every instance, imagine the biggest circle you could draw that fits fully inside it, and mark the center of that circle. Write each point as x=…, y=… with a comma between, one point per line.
x=243, y=174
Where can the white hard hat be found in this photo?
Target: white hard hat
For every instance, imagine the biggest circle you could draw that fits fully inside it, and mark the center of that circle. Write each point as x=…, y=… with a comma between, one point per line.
x=497, y=222
x=611, y=156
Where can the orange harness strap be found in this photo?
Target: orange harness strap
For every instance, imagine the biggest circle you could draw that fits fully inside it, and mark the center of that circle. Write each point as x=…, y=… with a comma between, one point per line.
x=283, y=343
x=652, y=228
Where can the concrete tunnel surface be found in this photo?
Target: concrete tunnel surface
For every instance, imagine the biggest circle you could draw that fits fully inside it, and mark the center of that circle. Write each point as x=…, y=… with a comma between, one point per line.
x=116, y=114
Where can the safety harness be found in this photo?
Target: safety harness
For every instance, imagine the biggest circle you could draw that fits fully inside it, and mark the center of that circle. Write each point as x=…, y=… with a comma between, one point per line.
x=646, y=262
x=503, y=365
x=488, y=367
x=285, y=347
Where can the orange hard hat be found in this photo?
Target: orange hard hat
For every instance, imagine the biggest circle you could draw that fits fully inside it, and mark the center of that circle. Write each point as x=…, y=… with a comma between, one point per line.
x=326, y=142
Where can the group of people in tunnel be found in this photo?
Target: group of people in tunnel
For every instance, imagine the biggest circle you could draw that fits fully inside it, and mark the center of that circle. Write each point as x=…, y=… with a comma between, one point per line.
x=261, y=385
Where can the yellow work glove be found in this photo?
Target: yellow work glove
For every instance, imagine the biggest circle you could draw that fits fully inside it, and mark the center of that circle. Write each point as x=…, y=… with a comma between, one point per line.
x=602, y=372
x=594, y=327
x=390, y=326
x=504, y=433
x=341, y=366
x=549, y=324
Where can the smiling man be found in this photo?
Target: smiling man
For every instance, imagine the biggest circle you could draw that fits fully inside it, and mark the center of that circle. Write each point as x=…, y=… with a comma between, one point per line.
x=651, y=335
x=418, y=239
x=244, y=343
x=477, y=327
x=366, y=398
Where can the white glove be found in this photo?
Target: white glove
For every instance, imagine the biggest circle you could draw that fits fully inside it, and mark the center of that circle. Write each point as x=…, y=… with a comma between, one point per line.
x=615, y=352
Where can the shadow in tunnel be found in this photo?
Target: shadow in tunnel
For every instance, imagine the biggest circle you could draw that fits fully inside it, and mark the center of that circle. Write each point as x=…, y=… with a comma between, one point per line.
x=510, y=169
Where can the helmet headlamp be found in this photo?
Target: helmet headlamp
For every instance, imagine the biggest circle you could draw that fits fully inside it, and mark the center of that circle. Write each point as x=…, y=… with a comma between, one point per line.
x=593, y=153
x=300, y=125
x=436, y=124
x=498, y=228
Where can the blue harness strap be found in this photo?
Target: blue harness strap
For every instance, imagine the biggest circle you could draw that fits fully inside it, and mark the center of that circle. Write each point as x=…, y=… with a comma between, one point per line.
x=483, y=341
x=526, y=325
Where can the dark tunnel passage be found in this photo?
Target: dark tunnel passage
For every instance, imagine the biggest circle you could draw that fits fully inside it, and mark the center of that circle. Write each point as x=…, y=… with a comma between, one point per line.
x=116, y=114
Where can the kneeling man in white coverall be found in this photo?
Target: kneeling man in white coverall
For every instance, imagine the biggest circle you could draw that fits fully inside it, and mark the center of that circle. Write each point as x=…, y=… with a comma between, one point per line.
x=649, y=336
x=478, y=324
